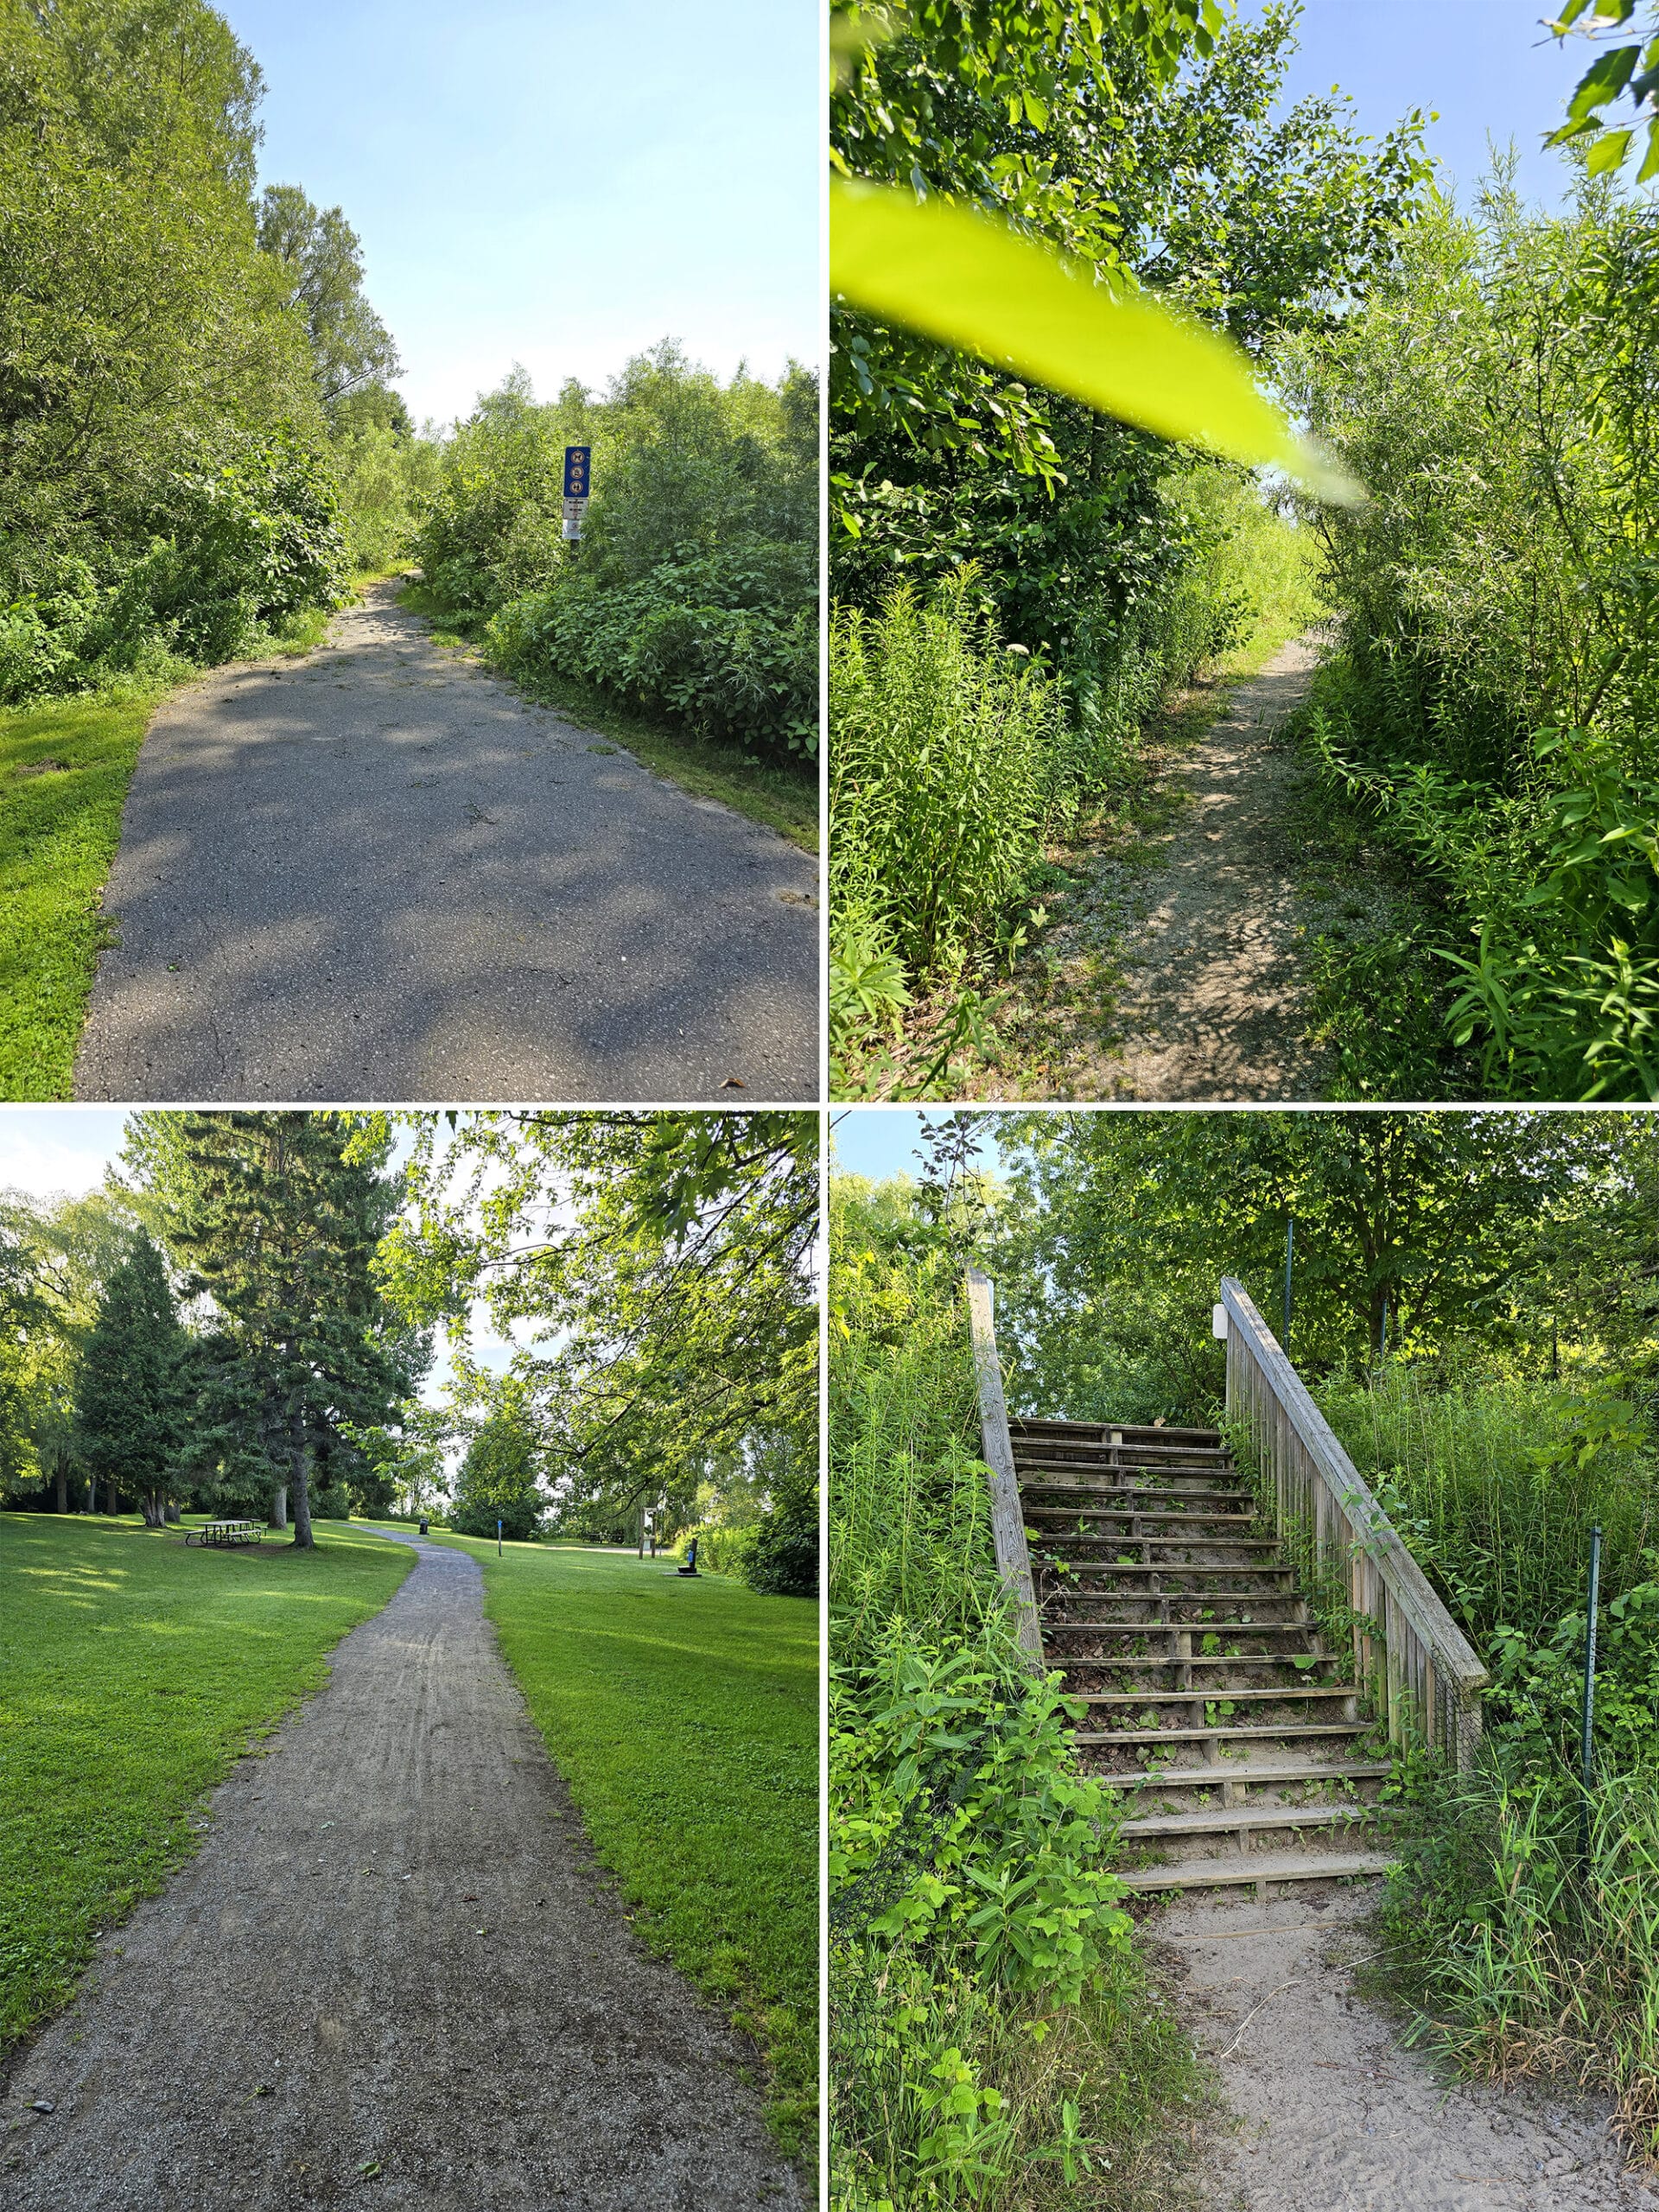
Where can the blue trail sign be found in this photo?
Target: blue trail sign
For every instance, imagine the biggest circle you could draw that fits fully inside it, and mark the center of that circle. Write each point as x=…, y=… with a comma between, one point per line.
x=578, y=465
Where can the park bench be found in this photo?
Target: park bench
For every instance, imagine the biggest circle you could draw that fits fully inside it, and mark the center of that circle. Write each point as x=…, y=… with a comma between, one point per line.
x=226, y=1532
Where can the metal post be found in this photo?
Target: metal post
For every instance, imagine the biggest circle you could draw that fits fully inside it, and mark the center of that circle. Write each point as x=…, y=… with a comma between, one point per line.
x=1586, y=1752
x=497, y=1539
x=1383, y=1351
x=1290, y=1256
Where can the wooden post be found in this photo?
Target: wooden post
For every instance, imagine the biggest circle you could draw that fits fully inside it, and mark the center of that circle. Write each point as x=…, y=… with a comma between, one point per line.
x=1007, y=1518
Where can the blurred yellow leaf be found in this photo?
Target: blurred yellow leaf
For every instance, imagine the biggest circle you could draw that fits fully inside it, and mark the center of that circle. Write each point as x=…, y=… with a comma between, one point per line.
x=978, y=284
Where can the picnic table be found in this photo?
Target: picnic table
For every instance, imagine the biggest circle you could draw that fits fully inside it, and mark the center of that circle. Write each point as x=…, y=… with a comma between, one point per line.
x=226, y=1532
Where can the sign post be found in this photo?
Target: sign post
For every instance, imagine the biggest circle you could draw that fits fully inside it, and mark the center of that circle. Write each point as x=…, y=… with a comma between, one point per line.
x=498, y=1540
x=578, y=470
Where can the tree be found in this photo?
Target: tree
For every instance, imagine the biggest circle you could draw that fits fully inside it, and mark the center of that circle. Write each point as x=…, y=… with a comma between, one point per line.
x=323, y=264
x=659, y=1262
x=76, y=1244
x=1116, y=1229
x=498, y=1480
x=1633, y=69
x=131, y=1400
x=268, y=1219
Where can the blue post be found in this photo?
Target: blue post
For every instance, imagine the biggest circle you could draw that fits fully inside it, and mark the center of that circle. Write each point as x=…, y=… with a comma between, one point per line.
x=498, y=1540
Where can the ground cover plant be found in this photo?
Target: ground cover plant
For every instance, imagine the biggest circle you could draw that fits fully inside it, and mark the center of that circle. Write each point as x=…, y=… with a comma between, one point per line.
x=133, y=1672
x=995, y=2036
x=1114, y=565
x=684, y=1715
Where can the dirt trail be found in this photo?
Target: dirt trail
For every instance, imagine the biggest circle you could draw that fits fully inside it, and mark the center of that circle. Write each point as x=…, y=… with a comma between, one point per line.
x=1334, y=2116
x=376, y=872
x=393, y=1975
x=1212, y=1003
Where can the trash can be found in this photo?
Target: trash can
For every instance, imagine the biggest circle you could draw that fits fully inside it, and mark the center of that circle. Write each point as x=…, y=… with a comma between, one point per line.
x=422, y=1524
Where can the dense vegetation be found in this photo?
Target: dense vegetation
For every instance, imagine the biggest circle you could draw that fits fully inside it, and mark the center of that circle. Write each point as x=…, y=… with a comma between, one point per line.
x=177, y=358
x=977, y=518
x=1489, y=716
x=1473, y=1307
x=994, y=2040
x=693, y=593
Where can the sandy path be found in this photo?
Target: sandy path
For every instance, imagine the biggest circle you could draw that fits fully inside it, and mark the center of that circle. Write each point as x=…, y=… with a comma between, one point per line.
x=1334, y=2116
x=1212, y=1003
x=376, y=872
x=330, y=1942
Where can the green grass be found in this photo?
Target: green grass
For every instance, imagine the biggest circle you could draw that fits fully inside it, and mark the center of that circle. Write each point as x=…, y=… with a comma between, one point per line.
x=684, y=1715
x=784, y=799
x=64, y=770
x=133, y=1673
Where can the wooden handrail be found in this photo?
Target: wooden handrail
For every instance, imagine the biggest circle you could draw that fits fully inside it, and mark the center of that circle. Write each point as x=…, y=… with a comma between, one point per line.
x=1007, y=1516
x=1424, y=1671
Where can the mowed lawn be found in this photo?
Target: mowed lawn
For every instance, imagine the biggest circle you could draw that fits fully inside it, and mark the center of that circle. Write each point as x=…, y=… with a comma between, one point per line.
x=684, y=1717
x=133, y=1671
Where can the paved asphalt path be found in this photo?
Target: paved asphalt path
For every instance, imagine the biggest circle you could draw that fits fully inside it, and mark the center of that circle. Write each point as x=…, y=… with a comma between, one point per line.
x=377, y=874
x=395, y=1926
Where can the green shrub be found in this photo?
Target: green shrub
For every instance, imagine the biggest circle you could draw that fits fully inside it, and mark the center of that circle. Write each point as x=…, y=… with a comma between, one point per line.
x=1493, y=709
x=694, y=592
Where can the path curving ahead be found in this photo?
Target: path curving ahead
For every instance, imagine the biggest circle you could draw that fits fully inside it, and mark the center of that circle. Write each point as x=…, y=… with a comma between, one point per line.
x=395, y=1931
x=378, y=874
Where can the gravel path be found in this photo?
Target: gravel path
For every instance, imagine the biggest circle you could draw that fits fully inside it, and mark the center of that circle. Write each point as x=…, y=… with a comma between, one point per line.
x=393, y=1952
x=1212, y=1002
x=377, y=874
x=1334, y=2116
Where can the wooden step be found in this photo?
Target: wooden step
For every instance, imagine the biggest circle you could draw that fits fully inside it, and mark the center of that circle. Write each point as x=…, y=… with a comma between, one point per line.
x=1164, y=1628
x=1176, y=1567
x=1136, y=1513
x=1116, y=1490
x=1131, y=1432
x=1223, y=1820
x=1257, y=1731
x=1202, y=1659
x=1286, y=1693
x=1231, y=1544
x=1265, y=1774
x=1258, y=1872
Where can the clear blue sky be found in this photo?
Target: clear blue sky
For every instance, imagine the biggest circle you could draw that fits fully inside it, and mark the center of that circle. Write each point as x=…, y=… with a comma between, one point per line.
x=561, y=182
x=1485, y=65
x=881, y=1141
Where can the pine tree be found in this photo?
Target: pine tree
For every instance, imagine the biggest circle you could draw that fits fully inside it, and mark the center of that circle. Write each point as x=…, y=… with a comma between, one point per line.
x=273, y=1224
x=131, y=1402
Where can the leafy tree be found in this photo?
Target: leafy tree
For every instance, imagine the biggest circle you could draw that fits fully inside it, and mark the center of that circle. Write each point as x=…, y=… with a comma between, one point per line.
x=323, y=264
x=132, y=1397
x=1633, y=69
x=498, y=1481
x=659, y=1262
x=20, y=1313
x=1117, y=1227
x=76, y=1245
x=267, y=1217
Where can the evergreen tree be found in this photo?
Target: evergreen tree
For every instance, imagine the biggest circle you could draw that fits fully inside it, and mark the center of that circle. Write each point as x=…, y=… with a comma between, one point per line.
x=273, y=1222
x=131, y=1399
x=498, y=1481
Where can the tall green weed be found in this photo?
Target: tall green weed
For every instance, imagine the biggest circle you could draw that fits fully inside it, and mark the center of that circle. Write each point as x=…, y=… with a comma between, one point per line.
x=995, y=2040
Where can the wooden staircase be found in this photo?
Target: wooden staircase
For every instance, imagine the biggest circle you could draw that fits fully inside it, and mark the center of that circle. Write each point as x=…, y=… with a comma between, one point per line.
x=1173, y=1614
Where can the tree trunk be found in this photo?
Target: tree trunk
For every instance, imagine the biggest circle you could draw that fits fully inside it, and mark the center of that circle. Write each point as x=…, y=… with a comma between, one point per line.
x=299, y=1485
x=61, y=1490
x=153, y=1511
x=170, y=1513
x=279, y=1508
